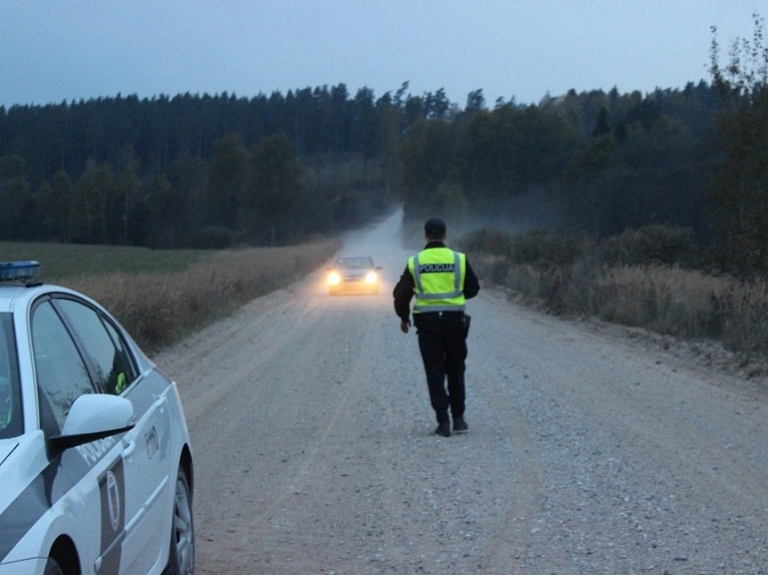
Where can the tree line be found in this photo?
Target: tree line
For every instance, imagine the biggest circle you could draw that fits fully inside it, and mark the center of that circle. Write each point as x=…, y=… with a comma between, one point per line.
x=170, y=172
x=599, y=162
x=201, y=170
x=602, y=163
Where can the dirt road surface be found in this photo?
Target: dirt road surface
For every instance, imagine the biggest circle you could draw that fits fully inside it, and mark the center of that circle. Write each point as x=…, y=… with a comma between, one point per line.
x=587, y=453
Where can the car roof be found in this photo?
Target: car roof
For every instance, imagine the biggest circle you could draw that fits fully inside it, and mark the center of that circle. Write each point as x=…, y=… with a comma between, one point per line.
x=354, y=258
x=11, y=293
x=8, y=293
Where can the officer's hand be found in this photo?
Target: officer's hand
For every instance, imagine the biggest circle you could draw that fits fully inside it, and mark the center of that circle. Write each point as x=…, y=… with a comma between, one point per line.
x=404, y=325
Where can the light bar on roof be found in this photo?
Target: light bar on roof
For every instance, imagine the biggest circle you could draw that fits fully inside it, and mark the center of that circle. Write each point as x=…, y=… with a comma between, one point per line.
x=25, y=271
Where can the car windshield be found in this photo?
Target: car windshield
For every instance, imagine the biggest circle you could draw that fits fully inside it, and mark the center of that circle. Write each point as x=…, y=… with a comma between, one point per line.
x=10, y=396
x=352, y=263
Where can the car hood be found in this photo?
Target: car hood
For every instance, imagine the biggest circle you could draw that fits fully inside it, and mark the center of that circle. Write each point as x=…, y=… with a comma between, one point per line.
x=354, y=273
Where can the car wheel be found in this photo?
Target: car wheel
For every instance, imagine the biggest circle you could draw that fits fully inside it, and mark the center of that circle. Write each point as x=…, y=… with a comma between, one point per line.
x=52, y=567
x=181, y=559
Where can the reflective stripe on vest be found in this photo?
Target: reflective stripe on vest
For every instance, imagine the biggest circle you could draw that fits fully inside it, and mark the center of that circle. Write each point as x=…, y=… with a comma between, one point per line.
x=442, y=292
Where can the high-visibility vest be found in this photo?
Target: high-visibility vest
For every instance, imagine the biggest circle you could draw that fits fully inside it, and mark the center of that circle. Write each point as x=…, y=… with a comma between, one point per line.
x=438, y=275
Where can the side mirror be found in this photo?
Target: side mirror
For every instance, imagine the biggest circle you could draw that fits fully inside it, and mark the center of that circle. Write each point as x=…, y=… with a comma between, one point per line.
x=95, y=416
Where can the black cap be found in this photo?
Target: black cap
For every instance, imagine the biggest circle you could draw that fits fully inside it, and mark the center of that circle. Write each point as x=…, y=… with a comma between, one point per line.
x=434, y=227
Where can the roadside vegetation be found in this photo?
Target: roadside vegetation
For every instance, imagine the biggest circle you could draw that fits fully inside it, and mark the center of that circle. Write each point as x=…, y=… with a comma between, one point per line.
x=652, y=278
x=161, y=295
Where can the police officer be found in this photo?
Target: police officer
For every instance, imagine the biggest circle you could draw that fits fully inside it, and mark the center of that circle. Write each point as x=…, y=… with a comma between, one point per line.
x=442, y=280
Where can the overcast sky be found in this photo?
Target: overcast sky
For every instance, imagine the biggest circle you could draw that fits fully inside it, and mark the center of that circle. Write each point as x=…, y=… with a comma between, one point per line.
x=55, y=50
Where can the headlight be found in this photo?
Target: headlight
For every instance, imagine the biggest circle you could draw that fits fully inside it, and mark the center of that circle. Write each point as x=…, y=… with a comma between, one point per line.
x=371, y=278
x=333, y=278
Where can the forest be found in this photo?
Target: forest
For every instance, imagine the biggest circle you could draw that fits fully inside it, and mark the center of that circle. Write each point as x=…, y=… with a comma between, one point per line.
x=212, y=171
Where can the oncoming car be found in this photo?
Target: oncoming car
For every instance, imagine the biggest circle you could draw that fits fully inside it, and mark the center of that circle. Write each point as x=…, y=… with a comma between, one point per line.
x=353, y=274
x=95, y=458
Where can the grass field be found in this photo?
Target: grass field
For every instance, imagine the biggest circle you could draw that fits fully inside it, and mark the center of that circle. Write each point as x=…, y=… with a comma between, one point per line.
x=73, y=260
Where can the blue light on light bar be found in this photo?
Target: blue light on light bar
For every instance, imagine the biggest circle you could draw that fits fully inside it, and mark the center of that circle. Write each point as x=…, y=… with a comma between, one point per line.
x=26, y=272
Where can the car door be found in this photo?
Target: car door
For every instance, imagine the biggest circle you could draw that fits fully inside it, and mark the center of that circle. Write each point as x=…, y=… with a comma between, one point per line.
x=146, y=448
x=95, y=497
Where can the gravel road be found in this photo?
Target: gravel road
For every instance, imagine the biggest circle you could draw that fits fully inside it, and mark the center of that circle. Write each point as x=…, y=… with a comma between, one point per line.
x=587, y=452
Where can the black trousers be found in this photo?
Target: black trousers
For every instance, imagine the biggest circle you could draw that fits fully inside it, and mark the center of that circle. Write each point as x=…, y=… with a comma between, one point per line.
x=443, y=350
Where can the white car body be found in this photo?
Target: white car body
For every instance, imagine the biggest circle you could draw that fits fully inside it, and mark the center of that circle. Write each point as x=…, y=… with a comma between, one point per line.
x=100, y=482
x=353, y=274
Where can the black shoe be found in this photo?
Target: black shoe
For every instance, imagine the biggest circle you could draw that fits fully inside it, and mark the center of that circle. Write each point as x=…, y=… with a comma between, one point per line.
x=444, y=428
x=459, y=425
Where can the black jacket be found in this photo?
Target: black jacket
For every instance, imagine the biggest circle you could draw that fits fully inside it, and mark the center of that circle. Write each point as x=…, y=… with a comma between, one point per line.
x=403, y=291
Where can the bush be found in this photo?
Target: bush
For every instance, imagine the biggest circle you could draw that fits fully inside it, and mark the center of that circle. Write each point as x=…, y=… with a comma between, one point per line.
x=545, y=249
x=486, y=241
x=743, y=313
x=650, y=245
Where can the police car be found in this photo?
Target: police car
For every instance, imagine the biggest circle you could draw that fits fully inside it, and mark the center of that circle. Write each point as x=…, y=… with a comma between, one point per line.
x=95, y=460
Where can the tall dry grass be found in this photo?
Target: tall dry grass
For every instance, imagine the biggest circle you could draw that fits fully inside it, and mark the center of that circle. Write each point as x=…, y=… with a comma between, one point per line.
x=159, y=308
x=628, y=280
x=668, y=300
